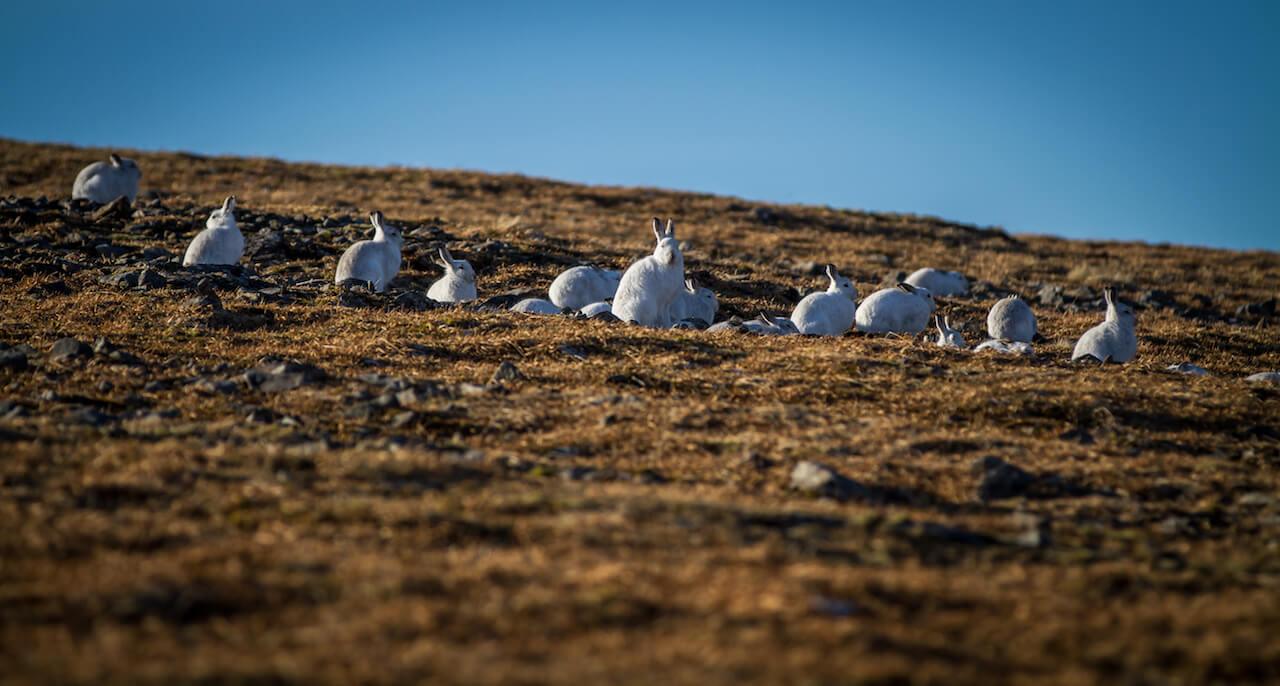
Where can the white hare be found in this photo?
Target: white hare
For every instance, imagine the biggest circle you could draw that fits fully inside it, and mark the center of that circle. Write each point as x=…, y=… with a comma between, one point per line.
x=905, y=309
x=649, y=286
x=106, y=181
x=376, y=261
x=830, y=312
x=596, y=308
x=1114, y=340
x=458, y=285
x=771, y=326
x=947, y=336
x=535, y=306
x=1006, y=347
x=220, y=242
x=939, y=282
x=694, y=302
x=1011, y=319
x=577, y=287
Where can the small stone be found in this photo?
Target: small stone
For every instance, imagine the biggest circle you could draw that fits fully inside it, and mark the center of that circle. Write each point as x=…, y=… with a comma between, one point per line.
x=89, y=417
x=116, y=209
x=68, y=348
x=820, y=480
x=1001, y=479
x=13, y=359
x=1188, y=368
x=273, y=375
x=1264, y=377
x=505, y=372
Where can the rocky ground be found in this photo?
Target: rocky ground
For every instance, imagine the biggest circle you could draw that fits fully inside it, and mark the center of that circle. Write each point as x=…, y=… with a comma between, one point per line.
x=248, y=475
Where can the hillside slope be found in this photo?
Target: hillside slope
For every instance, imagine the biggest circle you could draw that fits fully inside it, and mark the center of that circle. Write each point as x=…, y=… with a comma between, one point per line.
x=255, y=478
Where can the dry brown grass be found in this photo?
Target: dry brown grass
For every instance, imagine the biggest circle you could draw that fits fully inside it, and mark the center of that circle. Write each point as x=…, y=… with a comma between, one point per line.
x=453, y=544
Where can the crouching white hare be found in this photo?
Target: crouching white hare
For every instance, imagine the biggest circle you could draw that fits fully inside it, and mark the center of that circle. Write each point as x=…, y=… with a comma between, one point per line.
x=106, y=181
x=458, y=285
x=376, y=261
x=220, y=242
x=694, y=302
x=830, y=312
x=1114, y=340
x=651, y=284
x=905, y=309
x=1011, y=319
x=947, y=336
x=939, y=282
x=577, y=287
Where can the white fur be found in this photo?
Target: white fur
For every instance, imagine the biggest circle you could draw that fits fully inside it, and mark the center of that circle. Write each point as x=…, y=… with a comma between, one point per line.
x=830, y=312
x=1006, y=347
x=1264, y=377
x=905, y=309
x=649, y=286
x=106, y=181
x=947, y=336
x=596, y=308
x=458, y=285
x=220, y=242
x=535, y=306
x=1114, y=340
x=694, y=302
x=771, y=326
x=1011, y=319
x=376, y=261
x=939, y=282
x=577, y=287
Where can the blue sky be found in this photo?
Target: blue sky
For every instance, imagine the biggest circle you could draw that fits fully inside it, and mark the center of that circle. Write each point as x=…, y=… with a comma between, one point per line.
x=1157, y=121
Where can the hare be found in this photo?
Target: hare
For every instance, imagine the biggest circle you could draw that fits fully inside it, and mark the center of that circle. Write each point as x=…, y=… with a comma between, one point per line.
x=535, y=306
x=830, y=312
x=1007, y=347
x=596, y=308
x=1114, y=340
x=947, y=336
x=458, y=285
x=1011, y=319
x=577, y=287
x=904, y=309
x=694, y=302
x=220, y=242
x=771, y=326
x=649, y=286
x=376, y=261
x=105, y=181
x=939, y=282
x=1263, y=377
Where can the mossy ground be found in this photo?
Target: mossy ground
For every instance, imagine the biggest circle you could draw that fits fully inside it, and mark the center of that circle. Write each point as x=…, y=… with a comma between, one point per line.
x=620, y=513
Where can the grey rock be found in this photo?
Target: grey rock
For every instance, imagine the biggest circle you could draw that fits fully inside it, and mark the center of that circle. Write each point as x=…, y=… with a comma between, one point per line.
x=818, y=479
x=68, y=348
x=505, y=372
x=276, y=375
x=13, y=359
x=999, y=479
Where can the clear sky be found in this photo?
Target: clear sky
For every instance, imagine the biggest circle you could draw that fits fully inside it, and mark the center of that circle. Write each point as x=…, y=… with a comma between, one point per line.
x=1157, y=121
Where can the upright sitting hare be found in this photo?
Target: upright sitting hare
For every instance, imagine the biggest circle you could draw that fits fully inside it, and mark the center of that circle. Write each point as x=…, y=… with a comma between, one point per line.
x=458, y=285
x=106, y=181
x=830, y=312
x=376, y=261
x=649, y=286
x=1114, y=340
x=220, y=242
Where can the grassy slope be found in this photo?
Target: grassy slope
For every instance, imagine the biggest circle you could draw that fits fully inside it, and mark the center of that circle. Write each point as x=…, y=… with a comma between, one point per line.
x=347, y=548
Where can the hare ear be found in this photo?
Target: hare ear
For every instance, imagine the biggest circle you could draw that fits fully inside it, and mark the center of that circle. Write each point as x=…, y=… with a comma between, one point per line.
x=1109, y=295
x=946, y=322
x=229, y=205
x=671, y=228
x=442, y=257
x=938, y=324
x=115, y=159
x=906, y=287
x=832, y=273
x=375, y=218
x=765, y=318
x=690, y=286
x=657, y=228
